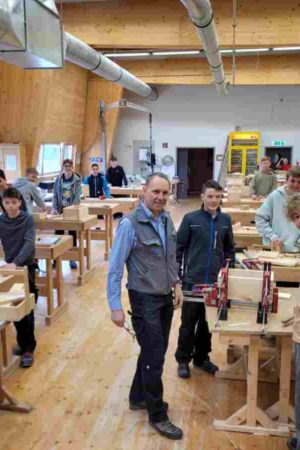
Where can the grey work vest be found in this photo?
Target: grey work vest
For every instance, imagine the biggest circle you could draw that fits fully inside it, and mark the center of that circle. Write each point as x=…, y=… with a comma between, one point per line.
x=149, y=269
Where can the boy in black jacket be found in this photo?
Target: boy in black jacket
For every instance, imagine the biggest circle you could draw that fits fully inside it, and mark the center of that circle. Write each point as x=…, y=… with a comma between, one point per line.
x=17, y=235
x=204, y=242
x=116, y=174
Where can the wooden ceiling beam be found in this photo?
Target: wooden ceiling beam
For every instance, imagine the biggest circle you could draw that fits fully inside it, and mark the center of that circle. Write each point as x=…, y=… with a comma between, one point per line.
x=160, y=24
x=252, y=70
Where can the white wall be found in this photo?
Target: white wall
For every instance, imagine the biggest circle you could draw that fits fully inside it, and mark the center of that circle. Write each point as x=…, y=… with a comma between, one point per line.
x=195, y=116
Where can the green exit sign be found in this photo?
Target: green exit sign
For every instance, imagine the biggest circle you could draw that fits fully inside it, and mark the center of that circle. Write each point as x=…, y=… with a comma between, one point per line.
x=279, y=143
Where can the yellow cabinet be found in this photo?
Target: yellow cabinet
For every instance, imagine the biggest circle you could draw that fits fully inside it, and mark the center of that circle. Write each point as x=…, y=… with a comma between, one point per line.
x=244, y=150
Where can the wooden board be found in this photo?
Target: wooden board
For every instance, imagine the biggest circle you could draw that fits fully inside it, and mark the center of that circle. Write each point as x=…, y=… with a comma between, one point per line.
x=245, y=285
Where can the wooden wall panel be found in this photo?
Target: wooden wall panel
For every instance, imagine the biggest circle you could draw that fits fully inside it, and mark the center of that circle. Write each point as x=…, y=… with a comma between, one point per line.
x=165, y=23
x=99, y=89
x=263, y=70
x=42, y=106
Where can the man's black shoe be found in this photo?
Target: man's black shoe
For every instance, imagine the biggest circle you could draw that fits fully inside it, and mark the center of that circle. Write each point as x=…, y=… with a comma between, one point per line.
x=292, y=443
x=27, y=360
x=183, y=370
x=207, y=366
x=167, y=429
x=137, y=406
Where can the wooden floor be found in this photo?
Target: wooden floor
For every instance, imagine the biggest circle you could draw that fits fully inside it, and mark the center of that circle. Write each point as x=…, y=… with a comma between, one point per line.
x=80, y=381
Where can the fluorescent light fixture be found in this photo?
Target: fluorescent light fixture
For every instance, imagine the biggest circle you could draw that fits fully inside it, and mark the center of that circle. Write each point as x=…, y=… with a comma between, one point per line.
x=121, y=55
x=282, y=49
x=226, y=50
x=179, y=52
x=251, y=50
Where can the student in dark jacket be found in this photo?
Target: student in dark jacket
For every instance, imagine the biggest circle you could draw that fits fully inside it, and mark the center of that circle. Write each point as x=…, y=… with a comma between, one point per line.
x=204, y=242
x=3, y=187
x=17, y=235
x=116, y=175
x=97, y=183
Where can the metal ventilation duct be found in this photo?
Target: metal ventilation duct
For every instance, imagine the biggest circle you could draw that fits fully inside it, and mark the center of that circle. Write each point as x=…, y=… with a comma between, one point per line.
x=78, y=52
x=201, y=14
x=31, y=36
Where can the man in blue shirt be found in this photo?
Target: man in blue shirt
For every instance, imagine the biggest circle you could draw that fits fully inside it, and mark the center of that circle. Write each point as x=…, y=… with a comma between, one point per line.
x=146, y=243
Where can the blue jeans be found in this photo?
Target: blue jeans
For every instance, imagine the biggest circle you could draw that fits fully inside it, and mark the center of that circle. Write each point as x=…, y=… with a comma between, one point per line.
x=297, y=393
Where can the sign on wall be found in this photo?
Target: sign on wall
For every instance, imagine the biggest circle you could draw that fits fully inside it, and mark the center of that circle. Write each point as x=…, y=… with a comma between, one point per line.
x=279, y=143
x=96, y=160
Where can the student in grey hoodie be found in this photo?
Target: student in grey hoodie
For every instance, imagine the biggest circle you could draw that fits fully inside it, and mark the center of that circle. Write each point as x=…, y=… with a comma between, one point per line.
x=67, y=192
x=30, y=192
x=271, y=221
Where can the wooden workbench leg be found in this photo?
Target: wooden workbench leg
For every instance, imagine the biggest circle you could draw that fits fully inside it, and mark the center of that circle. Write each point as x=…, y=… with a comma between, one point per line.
x=107, y=238
x=88, y=250
x=81, y=253
x=59, y=282
x=7, y=402
x=49, y=288
x=6, y=354
x=111, y=230
x=285, y=378
x=252, y=380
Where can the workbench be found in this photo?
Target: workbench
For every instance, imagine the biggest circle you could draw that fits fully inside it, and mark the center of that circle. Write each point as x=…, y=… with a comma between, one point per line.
x=80, y=253
x=16, y=303
x=137, y=191
x=125, y=204
x=48, y=283
x=281, y=273
x=241, y=329
x=107, y=210
x=51, y=251
x=246, y=236
x=252, y=203
x=245, y=217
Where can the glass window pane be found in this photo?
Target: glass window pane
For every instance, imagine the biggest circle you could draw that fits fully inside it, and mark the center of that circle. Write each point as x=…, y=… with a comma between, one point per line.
x=68, y=151
x=51, y=158
x=40, y=161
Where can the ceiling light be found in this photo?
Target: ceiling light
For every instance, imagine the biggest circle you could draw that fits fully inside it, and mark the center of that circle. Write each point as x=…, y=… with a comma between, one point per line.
x=282, y=49
x=121, y=55
x=226, y=50
x=173, y=53
x=250, y=50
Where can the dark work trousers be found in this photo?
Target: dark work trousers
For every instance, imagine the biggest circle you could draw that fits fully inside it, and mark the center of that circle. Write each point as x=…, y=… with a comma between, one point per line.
x=151, y=321
x=194, y=341
x=25, y=327
x=71, y=233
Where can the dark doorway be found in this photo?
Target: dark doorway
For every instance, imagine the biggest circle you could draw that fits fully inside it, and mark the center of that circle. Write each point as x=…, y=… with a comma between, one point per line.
x=276, y=153
x=194, y=167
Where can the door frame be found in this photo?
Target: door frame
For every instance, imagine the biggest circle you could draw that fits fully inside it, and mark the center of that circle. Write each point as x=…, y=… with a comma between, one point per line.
x=212, y=148
x=271, y=147
x=196, y=146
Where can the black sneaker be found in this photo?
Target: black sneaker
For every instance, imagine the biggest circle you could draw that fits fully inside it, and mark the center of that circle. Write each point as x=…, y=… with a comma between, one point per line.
x=292, y=443
x=167, y=429
x=27, y=360
x=183, y=370
x=207, y=366
x=137, y=406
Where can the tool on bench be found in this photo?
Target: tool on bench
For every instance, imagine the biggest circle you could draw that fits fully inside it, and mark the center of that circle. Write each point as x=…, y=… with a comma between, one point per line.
x=216, y=295
x=267, y=303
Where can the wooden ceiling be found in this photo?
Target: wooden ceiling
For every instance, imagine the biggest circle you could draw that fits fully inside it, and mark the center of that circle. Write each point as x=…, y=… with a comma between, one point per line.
x=156, y=24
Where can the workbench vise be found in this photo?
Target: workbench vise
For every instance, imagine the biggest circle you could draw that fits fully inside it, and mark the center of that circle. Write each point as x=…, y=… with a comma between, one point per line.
x=241, y=288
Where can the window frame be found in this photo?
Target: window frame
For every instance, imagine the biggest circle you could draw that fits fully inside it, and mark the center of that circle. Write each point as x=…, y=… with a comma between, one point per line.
x=62, y=146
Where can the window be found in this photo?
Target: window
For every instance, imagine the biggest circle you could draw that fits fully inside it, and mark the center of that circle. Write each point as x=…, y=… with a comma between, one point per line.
x=51, y=157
